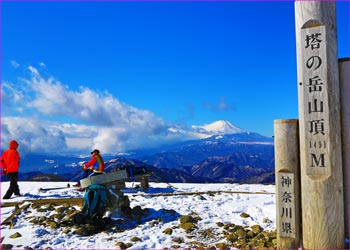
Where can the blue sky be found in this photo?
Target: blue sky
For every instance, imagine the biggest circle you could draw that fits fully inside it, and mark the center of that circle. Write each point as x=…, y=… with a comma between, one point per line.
x=86, y=72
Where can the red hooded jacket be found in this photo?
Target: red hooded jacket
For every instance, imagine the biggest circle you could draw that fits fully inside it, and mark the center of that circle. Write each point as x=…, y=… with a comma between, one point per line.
x=10, y=158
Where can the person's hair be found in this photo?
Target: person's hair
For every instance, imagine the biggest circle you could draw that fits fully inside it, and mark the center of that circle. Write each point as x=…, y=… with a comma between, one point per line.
x=95, y=151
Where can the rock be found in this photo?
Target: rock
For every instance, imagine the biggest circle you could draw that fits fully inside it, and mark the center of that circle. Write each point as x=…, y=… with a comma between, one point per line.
x=250, y=234
x=231, y=237
x=266, y=220
x=34, y=221
x=49, y=207
x=121, y=245
x=41, y=210
x=228, y=226
x=6, y=246
x=179, y=240
x=134, y=239
x=153, y=223
x=187, y=218
x=256, y=229
x=168, y=231
x=188, y=226
x=128, y=245
x=66, y=231
x=53, y=224
x=244, y=215
x=15, y=235
x=60, y=210
x=220, y=224
x=260, y=245
x=86, y=230
x=241, y=233
x=274, y=242
x=221, y=246
x=236, y=227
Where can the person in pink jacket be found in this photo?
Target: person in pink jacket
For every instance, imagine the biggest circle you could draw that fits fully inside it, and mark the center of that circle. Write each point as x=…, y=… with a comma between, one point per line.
x=10, y=165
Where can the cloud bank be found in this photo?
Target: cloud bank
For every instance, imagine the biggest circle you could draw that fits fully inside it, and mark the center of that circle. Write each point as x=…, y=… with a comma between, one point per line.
x=46, y=116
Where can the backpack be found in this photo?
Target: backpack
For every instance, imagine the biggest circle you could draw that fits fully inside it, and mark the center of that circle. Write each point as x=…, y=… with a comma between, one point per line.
x=135, y=170
x=95, y=202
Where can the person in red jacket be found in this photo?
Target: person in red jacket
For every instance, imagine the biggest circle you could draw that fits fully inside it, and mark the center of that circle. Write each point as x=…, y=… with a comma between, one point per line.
x=10, y=165
x=95, y=166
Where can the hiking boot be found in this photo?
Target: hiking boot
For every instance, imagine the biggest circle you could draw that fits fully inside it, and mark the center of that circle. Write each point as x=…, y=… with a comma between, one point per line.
x=77, y=184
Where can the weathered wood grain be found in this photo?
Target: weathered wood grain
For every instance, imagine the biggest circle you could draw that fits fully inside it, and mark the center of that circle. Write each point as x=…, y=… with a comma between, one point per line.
x=287, y=169
x=40, y=202
x=319, y=122
x=344, y=80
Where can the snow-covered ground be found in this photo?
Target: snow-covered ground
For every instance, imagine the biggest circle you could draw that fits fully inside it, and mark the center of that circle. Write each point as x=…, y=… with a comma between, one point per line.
x=225, y=206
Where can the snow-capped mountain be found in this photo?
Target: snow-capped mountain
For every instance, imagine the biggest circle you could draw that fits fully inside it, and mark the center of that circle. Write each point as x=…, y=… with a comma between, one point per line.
x=218, y=128
x=221, y=127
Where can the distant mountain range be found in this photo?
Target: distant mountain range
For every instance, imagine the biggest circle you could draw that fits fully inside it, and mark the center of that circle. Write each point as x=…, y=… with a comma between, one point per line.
x=225, y=153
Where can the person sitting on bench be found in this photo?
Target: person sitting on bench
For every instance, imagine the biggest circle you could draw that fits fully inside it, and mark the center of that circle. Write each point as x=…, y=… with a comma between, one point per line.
x=94, y=166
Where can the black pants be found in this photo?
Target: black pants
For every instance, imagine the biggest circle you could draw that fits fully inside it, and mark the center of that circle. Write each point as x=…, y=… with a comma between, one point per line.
x=13, y=188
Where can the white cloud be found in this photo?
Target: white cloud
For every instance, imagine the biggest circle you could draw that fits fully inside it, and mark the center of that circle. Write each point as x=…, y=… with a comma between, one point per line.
x=221, y=106
x=33, y=135
x=11, y=97
x=33, y=70
x=14, y=64
x=53, y=98
x=100, y=120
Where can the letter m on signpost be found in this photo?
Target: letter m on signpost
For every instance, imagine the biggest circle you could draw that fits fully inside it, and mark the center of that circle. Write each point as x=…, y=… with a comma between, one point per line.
x=317, y=162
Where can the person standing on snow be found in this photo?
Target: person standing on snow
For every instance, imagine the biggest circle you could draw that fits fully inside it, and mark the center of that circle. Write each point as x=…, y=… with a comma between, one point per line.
x=94, y=166
x=10, y=165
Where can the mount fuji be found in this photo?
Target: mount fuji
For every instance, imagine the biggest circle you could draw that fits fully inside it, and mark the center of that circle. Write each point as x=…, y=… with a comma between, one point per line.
x=220, y=127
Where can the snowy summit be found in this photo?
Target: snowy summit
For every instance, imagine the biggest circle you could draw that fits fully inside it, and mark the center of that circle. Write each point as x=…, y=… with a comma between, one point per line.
x=221, y=127
x=218, y=128
x=218, y=209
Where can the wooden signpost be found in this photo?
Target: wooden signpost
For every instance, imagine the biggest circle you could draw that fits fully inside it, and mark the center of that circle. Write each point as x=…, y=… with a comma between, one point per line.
x=319, y=122
x=286, y=134
x=344, y=80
